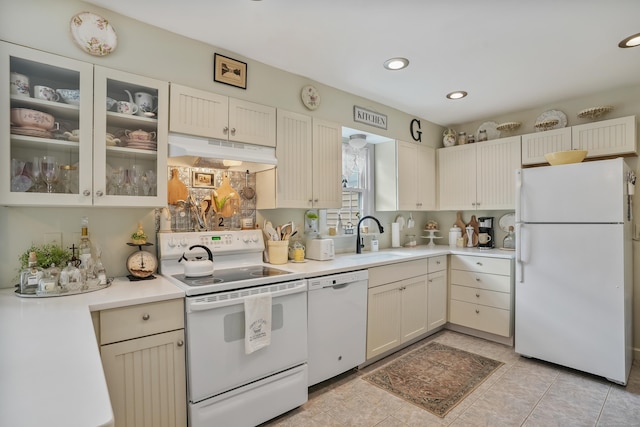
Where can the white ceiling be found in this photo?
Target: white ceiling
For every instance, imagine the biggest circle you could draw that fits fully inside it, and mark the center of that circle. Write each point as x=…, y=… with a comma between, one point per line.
x=509, y=55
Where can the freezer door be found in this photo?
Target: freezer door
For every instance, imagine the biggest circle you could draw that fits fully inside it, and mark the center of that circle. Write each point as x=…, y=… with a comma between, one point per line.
x=570, y=297
x=590, y=192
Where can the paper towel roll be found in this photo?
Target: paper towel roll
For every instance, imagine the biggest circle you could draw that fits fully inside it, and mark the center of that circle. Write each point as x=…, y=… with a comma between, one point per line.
x=395, y=235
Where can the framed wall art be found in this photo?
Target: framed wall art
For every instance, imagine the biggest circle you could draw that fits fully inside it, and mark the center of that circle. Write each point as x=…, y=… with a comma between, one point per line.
x=203, y=180
x=229, y=71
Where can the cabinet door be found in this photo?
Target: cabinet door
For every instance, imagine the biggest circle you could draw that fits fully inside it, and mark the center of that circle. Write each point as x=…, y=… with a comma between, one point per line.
x=384, y=317
x=497, y=162
x=147, y=381
x=536, y=145
x=457, y=177
x=437, y=299
x=327, y=164
x=426, y=175
x=132, y=172
x=414, y=307
x=252, y=123
x=607, y=137
x=407, y=170
x=24, y=146
x=196, y=112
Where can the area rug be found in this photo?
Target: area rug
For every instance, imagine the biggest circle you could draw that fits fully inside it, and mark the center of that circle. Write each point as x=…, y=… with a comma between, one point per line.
x=435, y=377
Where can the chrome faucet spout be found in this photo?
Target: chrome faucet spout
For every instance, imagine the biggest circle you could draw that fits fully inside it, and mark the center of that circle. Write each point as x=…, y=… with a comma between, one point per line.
x=359, y=245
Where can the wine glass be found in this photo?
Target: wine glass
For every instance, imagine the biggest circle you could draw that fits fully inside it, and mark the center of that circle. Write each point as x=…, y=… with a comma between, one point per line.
x=49, y=170
x=35, y=174
x=135, y=174
x=151, y=181
x=118, y=178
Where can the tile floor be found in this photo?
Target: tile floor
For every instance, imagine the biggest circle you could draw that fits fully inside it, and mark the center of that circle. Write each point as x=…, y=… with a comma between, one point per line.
x=523, y=392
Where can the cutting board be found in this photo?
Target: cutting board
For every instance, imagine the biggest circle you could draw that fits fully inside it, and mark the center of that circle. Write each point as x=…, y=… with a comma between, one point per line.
x=176, y=190
x=226, y=191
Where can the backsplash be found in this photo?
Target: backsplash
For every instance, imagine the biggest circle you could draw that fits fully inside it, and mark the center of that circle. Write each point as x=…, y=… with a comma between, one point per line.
x=201, y=184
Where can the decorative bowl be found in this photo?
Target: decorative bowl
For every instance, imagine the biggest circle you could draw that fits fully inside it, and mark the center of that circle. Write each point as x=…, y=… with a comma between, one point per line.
x=25, y=117
x=565, y=157
x=70, y=96
x=110, y=103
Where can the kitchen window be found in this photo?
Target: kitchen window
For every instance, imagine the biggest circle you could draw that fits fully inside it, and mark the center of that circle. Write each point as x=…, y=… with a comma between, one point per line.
x=357, y=186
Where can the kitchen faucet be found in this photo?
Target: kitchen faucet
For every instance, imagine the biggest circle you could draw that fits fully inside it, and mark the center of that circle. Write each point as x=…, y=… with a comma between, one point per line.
x=359, y=245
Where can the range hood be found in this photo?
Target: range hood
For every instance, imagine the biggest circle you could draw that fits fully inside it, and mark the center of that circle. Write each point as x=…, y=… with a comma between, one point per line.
x=194, y=151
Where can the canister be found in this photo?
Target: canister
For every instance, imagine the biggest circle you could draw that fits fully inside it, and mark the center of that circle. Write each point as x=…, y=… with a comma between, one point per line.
x=454, y=234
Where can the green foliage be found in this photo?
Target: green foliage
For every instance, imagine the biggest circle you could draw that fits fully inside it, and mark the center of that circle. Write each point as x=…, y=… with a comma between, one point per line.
x=47, y=255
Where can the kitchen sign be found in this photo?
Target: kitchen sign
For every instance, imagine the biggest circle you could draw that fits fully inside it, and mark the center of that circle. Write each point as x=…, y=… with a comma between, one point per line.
x=372, y=118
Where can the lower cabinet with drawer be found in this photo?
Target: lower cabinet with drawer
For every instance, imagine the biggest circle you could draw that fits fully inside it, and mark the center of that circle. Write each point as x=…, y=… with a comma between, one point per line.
x=481, y=294
x=405, y=301
x=143, y=356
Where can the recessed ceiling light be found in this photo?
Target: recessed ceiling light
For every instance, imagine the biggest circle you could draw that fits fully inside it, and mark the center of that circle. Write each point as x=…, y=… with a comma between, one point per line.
x=631, y=41
x=457, y=94
x=396, y=63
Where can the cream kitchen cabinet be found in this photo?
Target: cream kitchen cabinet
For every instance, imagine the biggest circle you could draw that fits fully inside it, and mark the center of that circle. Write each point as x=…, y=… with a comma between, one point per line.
x=78, y=143
x=481, y=294
x=143, y=356
x=309, y=172
x=397, y=310
x=436, y=292
x=405, y=177
x=209, y=115
x=601, y=139
x=478, y=176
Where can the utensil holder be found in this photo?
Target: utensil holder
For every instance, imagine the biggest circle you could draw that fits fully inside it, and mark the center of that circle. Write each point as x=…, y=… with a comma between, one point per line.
x=278, y=251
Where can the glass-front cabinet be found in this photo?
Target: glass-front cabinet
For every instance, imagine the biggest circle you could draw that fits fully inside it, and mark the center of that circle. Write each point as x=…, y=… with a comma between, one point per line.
x=73, y=136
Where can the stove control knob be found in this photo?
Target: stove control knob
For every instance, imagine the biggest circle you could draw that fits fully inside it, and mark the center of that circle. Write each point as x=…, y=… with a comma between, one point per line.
x=254, y=238
x=245, y=238
x=171, y=242
x=183, y=241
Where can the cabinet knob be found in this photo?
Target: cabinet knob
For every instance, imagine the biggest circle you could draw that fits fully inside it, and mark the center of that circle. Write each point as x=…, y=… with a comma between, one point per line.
x=477, y=311
x=180, y=343
x=430, y=280
x=225, y=130
x=473, y=203
x=477, y=295
x=146, y=316
x=233, y=131
x=99, y=193
x=437, y=262
x=86, y=193
x=315, y=200
x=479, y=263
x=477, y=279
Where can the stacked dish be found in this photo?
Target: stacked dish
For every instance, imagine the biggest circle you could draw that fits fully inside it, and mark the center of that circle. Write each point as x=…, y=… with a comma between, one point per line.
x=27, y=122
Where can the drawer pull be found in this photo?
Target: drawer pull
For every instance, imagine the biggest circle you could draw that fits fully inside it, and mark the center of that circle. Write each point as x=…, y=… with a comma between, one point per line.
x=477, y=279
x=477, y=311
x=477, y=295
x=180, y=343
x=479, y=263
x=146, y=316
x=438, y=262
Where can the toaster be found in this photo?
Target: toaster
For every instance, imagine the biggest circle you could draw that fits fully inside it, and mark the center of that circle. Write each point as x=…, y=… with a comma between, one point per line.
x=320, y=249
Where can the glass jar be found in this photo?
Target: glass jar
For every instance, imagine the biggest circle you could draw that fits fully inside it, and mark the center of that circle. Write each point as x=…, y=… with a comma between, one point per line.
x=509, y=242
x=471, y=139
x=462, y=138
x=482, y=135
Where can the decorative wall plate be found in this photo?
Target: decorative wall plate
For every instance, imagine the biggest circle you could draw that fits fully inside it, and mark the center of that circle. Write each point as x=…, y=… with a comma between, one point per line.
x=545, y=120
x=594, y=112
x=310, y=97
x=508, y=126
x=491, y=128
x=93, y=34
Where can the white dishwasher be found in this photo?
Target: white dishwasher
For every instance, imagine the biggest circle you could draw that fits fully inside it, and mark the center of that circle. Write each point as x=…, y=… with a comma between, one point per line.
x=337, y=324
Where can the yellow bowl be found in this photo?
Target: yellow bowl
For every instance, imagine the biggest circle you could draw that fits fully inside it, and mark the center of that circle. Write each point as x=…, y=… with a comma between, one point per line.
x=565, y=157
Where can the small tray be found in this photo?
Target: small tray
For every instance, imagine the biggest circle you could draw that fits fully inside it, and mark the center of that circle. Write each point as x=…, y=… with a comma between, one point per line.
x=59, y=293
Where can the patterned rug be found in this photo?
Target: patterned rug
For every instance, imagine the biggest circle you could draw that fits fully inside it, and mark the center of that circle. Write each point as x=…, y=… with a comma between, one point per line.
x=435, y=377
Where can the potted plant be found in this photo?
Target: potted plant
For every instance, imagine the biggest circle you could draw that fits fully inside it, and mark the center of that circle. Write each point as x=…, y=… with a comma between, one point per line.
x=48, y=255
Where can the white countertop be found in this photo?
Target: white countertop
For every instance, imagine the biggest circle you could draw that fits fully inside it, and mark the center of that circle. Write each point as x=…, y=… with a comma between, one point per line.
x=50, y=367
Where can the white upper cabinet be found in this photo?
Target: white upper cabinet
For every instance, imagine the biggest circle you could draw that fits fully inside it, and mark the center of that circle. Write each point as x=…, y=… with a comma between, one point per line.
x=309, y=171
x=405, y=177
x=601, y=139
x=206, y=114
x=75, y=153
x=479, y=176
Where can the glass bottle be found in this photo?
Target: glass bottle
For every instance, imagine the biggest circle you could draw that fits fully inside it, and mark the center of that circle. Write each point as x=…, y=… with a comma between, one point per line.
x=509, y=241
x=339, y=225
x=100, y=271
x=70, y=279
x=30, y=276
x=86, y=263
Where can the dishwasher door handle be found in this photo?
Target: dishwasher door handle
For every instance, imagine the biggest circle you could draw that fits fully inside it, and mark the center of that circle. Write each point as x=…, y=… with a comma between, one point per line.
x=339, y=286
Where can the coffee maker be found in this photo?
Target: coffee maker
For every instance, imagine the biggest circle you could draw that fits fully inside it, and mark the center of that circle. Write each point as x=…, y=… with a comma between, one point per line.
x=485, y=232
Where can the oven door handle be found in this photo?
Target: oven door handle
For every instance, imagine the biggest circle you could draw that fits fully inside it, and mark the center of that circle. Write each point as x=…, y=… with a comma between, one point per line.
x=214, y=301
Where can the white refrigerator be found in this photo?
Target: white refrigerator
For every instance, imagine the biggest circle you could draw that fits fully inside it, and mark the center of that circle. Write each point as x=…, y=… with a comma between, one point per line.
x=573, y=290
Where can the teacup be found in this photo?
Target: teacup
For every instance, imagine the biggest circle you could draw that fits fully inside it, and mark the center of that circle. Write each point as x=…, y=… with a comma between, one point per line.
x=19, y=84
x=46, y=93
x=145, y=102
x=111, y=140
x=125, y=107
x=74, y=135
x=484, y=238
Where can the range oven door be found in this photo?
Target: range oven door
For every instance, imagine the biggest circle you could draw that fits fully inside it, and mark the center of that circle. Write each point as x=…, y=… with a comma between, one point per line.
x=216, y=356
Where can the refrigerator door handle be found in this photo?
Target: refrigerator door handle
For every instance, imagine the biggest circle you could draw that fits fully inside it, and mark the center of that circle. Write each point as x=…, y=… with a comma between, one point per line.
x=518, y=189
x=519, y=263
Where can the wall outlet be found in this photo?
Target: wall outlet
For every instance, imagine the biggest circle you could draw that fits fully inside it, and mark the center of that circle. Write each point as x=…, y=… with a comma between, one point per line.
x=52, y=238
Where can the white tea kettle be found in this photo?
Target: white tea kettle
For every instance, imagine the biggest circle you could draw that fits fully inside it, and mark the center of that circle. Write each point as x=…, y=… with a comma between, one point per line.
x=198, y=267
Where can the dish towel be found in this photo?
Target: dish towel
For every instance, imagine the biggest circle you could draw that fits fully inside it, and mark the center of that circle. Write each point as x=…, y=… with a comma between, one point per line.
x=257, y=322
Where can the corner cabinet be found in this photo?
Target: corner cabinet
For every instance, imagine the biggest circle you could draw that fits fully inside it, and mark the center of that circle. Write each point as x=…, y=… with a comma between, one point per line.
x=79, y=157
x=209, y=115
x=478, y=176
x=405, y=177
x=143, y=357
x=309, y=172
x=436, y=292
x=601, y=139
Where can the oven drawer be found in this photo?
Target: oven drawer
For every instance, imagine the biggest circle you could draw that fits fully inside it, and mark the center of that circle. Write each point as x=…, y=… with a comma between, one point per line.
x=124, y=323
